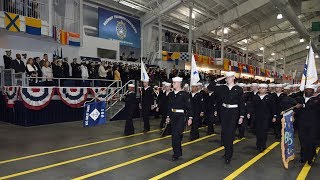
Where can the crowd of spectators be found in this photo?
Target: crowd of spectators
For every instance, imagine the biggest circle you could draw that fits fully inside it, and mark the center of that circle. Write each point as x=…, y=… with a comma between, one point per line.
x=42, y=71
x=172, y=37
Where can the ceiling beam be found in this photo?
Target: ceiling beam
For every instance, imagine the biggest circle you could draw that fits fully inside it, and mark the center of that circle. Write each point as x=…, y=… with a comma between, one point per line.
x=230, y=16
x=164, y=7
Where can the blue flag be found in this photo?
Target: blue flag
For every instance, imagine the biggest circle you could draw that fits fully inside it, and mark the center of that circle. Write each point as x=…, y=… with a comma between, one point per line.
x=287, y=141
x=94, y=114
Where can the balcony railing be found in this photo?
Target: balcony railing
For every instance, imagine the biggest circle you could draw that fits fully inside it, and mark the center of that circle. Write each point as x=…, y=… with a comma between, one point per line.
x=29, y=8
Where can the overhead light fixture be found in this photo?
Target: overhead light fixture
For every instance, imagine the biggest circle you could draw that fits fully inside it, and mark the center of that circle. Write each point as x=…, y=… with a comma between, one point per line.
x=301, y=40
x=279, y=16
x=225, y=30
x=317, y=56
x=307, y=47
x=272, y=54
x=281, y=58
x=245, y=41
x=292, y=32
x=261, y=48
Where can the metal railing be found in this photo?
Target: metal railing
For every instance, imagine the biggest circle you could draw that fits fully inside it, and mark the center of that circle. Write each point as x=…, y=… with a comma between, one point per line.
x=29, y=8
x=120, y=92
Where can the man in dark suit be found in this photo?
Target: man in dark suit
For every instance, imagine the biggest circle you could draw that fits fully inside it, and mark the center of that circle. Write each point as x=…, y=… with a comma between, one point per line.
x=18, y=65
x=130, y=107
x=7, y=59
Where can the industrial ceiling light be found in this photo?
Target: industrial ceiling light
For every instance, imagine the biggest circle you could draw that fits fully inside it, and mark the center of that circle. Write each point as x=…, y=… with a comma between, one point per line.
x=261, y=48
x=225, y=30
x=307, y=47
x=193, y=16
x=281, y=58
x=272, y=54
x=301, y=40
x=317, y=56
x=292, y=32
x=279, y=16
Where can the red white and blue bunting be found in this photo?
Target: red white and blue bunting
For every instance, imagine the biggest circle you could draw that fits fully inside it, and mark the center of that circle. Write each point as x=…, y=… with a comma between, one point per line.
x=101, y=93
x=73, y=97
x=11, y=95
x=36, y=98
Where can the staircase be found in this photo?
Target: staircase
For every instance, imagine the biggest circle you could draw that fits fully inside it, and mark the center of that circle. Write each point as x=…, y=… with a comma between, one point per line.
x=115, y=105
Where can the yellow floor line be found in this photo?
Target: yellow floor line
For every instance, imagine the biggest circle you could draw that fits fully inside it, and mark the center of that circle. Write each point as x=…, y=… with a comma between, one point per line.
x=73, y=147
x=162, y=175
x=305, y=170
x=137, y=159
x=84, y=157
x=251, y=162
x=80, y=159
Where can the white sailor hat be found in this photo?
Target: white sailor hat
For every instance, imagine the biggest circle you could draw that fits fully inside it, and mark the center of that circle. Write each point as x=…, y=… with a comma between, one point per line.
x=168, y=84
x=297, y=85
x=186, y=85
x=230, y=73
x=241, y=84
x=199, y=84
x=263, y=85
x=254, y=84
x=310, y=86
x=279, y=85
x=247, y=85
x=287, y=87
x=130, y=85
x=272, y=85
x=177, y=79
x=164, y=83
x=194, y=84
x=155, y=86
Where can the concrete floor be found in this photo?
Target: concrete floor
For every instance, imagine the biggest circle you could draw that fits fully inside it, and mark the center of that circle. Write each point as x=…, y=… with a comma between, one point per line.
x=18, y=142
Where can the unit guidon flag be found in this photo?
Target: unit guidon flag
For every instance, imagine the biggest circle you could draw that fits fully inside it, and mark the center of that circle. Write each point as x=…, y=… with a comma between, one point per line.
x=94, y=114
x=287, y=140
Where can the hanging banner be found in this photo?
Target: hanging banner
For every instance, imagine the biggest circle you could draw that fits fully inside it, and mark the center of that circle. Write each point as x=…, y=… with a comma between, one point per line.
x=73, y=97
x=287, y=140
x=36, y=98
x=100, y=93
x=116, y=26
x=94, y=114
x=11, y=95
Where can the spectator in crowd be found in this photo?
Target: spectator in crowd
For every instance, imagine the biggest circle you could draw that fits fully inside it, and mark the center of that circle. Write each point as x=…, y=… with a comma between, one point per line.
x=75, y=68
x=7, y=59
x=84, y=71
x=47, y=74
x=24, y=57
x=45, y=59
x=102, y=73
x=92, y=71
x=117, y=75
x=18, y=64
x=32, y=71
x=36, y=62
x=66, y=68
x=84, y=74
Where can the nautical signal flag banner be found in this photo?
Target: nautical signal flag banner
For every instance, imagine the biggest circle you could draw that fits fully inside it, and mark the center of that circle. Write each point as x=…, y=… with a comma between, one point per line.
x=12, y=22
x=63, y=37
x=287, y=140
x=33, y=26
x=94, y=114
x=74, y=39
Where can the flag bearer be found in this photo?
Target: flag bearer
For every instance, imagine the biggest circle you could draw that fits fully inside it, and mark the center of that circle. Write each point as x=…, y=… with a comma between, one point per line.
x=130, y=107
x=147, y=102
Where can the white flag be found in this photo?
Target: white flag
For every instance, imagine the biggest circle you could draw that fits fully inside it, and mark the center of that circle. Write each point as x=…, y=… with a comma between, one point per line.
x=144, y=74
x=309, y=75
x=194, y=72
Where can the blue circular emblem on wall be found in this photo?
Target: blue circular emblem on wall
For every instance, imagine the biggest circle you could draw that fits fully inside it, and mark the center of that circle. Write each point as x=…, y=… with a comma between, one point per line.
x=121, y=29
